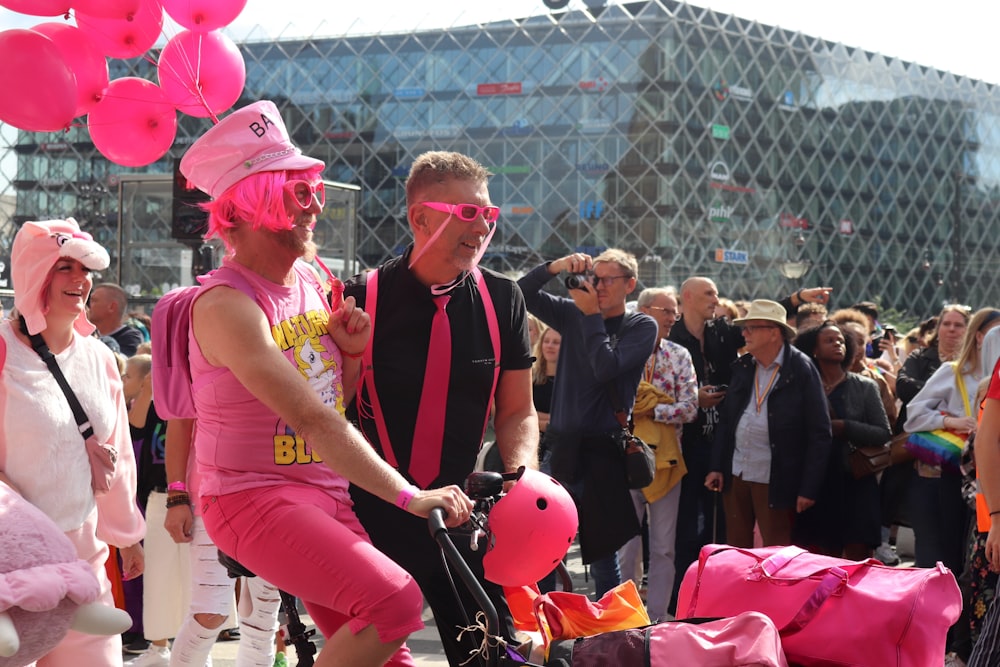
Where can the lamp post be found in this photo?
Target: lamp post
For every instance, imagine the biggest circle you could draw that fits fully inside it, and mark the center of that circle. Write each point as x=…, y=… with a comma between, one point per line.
x=794, y=270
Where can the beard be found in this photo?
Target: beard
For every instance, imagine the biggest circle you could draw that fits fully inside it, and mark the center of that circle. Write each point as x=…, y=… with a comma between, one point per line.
x=293, y=239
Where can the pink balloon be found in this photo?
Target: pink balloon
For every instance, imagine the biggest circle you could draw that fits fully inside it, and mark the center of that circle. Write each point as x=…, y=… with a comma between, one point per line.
x=107, y=8
x=134, y=124
x=201, y=73
x=127, y=35
x=37, y=7
x=204, y=15
x=40, y=88
x=82, y=56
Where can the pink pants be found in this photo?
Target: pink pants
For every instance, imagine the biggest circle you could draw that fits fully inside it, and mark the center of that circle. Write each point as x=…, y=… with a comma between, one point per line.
x=78, y=649
x=310, y=544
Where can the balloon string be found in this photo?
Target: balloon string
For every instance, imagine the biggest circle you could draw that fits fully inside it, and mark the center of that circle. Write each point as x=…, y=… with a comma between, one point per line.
x=191, y=75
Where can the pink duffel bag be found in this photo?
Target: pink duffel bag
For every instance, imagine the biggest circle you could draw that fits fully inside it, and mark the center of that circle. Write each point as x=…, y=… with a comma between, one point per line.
x=745, y=640
x=828, y=611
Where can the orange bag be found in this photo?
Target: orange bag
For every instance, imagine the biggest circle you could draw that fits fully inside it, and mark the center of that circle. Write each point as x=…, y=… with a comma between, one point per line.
x=564, y=615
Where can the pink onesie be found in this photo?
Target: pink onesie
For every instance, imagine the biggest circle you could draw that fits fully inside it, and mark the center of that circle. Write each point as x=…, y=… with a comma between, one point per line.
x=42, y=452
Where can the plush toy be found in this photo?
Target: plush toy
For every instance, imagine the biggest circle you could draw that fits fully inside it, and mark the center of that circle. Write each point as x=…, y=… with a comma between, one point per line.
x=44, y=588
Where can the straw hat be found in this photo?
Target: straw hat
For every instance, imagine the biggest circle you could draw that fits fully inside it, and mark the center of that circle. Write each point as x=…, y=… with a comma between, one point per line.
x=770, y=311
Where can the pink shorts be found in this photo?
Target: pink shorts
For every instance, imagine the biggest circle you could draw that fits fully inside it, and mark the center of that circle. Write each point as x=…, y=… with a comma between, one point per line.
x=311, y=545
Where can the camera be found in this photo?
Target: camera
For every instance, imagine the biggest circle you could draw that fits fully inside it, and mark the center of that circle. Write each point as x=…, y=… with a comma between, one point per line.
x=576, y=280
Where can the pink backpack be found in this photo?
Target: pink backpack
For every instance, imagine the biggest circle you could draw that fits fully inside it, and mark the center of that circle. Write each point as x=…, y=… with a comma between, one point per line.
x=172, y=384
x=171, y=324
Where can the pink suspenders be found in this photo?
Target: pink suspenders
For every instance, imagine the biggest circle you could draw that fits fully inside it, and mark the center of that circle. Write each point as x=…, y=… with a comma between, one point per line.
x=367, y=373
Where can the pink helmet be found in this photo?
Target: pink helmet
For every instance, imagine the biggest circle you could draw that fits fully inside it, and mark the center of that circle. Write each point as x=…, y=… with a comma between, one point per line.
x=532, y=528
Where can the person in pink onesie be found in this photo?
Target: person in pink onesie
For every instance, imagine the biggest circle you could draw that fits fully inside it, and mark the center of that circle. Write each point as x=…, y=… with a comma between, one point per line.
x=271, y=376
x=42, y=452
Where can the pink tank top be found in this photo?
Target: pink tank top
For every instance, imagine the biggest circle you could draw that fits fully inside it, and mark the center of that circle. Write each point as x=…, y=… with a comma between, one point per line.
x=242, y=444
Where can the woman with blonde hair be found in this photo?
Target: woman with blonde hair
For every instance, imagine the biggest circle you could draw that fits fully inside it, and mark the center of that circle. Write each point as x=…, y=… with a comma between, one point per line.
x=938, y=512
x=543, y=374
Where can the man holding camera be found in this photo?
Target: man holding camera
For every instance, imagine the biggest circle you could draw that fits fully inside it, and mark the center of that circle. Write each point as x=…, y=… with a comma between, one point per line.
x=604, y=350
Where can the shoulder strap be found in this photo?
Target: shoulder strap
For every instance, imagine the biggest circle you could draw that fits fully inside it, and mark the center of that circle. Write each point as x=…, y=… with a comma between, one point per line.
x=621, y=412
x=960, y=381
x=367, y=375
x=37, y=342
x=494, y=327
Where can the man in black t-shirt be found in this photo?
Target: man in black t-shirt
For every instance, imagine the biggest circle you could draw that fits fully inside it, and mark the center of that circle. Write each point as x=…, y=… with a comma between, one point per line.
x=451, y=217
x=106, y=309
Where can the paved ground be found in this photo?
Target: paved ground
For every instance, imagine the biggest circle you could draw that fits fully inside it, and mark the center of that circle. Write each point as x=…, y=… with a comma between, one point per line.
x=426, y=646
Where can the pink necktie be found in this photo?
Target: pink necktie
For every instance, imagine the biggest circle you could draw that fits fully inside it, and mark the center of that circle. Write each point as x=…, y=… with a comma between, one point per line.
x=428, y=435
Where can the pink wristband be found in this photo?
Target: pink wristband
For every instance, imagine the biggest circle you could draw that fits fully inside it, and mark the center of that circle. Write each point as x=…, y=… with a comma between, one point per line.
x=405, y=496
x=177, y=486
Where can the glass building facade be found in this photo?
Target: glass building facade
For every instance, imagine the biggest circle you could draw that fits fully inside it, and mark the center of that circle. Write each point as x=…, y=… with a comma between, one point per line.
x=703, y=143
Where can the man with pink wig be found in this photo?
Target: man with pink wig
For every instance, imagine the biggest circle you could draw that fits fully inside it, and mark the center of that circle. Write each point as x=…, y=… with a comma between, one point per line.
x=271, y=375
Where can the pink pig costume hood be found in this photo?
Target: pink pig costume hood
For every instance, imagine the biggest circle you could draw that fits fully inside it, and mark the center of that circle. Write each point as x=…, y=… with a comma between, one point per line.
x=37, y=247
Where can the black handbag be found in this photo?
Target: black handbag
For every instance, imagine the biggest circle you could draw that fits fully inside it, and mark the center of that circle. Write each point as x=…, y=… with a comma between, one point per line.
x=640, y=460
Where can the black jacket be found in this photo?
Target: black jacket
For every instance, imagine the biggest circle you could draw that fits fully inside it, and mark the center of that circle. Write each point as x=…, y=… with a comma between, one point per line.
x=798, y=426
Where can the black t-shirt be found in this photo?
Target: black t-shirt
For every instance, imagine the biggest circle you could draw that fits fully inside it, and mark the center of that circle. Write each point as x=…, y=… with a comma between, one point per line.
x=151, y=470
x=542, y=394
x=128, y=339
x=402, y=334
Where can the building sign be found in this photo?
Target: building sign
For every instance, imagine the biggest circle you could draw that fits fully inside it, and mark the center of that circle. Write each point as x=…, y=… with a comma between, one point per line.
x=719, y=212
x=741, y=93
x=598, y=85
x=846, y=227
x=519, y=128
x=517, y=209
x=720, y=131
x=507, y=88
x=593, y=125
x=792, y=222
x=731, y=256
x=411, y=93
x=591, y=209
x=722, y=92
x=719, y=171
x=593, y=168
x=787, y=101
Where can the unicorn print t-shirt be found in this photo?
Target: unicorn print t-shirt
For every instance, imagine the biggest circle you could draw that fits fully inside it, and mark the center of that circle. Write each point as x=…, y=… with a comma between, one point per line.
x=240, y=442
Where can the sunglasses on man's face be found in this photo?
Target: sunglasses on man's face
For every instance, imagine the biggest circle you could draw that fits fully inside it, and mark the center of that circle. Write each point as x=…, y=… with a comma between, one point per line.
x=466, y=212
x=304, y=192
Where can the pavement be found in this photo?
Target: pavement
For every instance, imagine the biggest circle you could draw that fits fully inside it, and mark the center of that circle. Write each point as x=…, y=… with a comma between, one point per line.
x=425, y=645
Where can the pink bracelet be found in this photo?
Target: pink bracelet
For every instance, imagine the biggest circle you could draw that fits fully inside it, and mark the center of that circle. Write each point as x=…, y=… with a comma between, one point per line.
x=405, y=496
x=177, y=486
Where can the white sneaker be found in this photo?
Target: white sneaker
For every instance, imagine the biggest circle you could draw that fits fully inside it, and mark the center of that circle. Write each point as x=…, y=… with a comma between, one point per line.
x=154, y=656
x=887, y=554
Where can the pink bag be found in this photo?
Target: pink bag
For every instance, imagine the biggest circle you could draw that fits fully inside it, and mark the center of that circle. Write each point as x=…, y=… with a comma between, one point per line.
x=829, y=611
x=103, y=459
x=749, y=639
